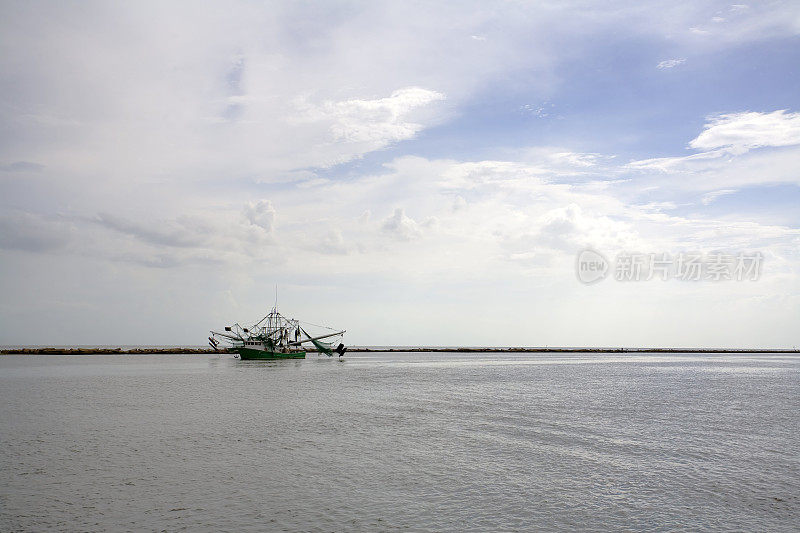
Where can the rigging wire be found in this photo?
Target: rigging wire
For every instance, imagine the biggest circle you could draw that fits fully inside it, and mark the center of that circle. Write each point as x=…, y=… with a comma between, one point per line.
x=317, y=325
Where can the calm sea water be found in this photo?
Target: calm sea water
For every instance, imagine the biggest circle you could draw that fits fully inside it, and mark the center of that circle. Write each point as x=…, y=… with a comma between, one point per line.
x=384, y=442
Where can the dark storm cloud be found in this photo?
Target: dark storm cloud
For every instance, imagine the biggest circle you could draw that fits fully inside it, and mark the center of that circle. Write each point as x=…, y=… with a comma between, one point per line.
x=173, y=234
x=33, y=233
x=22, y=166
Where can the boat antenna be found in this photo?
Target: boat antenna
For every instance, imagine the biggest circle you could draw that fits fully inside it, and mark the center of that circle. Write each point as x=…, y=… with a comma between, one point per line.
x=276, y=296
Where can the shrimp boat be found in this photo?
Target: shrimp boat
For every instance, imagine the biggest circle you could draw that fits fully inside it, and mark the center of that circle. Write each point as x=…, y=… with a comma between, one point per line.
x=274, y=337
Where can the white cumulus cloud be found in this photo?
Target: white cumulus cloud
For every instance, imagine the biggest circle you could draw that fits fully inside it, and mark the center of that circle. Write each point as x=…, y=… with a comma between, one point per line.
x=670, y=63
x=740, y=132
x=377, y=122
x=712, y=196
x=260, y=214
x=400, y=226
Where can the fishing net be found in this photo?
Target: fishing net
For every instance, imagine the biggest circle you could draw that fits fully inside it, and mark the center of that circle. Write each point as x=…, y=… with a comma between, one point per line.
x=322, y=347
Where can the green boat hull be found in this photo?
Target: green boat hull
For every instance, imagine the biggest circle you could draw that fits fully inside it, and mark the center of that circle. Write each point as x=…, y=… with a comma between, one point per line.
x=248, y=354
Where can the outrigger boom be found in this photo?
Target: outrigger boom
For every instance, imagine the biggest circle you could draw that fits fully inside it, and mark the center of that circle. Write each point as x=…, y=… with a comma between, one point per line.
x=311, y=339
x=228, y=336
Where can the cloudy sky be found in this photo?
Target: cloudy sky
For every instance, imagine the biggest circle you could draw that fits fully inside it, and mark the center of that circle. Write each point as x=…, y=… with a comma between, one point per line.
x=417, y=173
